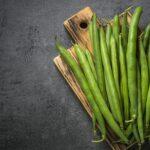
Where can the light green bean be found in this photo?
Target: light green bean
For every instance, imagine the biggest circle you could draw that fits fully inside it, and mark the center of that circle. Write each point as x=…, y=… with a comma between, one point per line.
x=140, y=115
x=84, y=86
x=110, y=79
x=144, y=75
x=132, y=62
x=97, y=94
x=123, y=80
x=98, y=58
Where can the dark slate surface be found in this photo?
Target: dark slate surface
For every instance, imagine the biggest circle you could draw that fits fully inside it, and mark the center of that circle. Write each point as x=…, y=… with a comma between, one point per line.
x=38, y=111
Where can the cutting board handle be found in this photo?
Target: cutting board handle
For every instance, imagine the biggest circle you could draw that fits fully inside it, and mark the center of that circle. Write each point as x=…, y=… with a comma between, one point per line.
x=77, y=26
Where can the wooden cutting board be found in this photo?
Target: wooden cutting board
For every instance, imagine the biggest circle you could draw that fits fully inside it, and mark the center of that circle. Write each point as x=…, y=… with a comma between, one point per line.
x=77, y=28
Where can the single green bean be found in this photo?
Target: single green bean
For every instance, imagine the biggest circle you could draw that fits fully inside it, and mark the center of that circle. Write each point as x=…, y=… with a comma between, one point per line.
x=129, y=130
x=94, y=123
x=131, y=62
x=140, y=115
x=123, y=80
x=146, y=37
x=84, y=86
x=124, y=31
x=98, y=58
x=144, y=75
x=97, y=94
x=110, y=99
x=135, y=132
x=148, y=109
x=109, y=76
x=116, y=29
x=108, y=35
x=115, y=67
x=91, y=63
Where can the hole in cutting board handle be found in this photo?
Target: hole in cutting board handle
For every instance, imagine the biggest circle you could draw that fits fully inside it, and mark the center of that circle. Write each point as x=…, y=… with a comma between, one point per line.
x=83, y=24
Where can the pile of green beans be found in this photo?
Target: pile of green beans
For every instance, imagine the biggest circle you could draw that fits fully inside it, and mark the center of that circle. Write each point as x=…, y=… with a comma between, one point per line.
x=115, y=78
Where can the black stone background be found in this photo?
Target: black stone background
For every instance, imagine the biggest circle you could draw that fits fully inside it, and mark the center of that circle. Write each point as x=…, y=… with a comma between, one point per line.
x=38, y=110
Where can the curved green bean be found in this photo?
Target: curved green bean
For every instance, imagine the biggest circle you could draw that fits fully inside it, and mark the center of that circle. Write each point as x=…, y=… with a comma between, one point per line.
x=124, y=31
x=98, y=58
x=135, y=132
x=97, y=94
x=84, y=86
x=109, y=76
x=123, y=80
x=131, y=62
x=91, y=63
x=129, y=130
x=148, y=109
x=146, y=37
x=144, y=75
x=116, y=29
x=110, y=104
x=108, y=35
x=140, y=115
x=114, y=63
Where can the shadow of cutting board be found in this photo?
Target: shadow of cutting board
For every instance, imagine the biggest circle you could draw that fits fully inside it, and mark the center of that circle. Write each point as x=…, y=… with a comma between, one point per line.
x=77, y=26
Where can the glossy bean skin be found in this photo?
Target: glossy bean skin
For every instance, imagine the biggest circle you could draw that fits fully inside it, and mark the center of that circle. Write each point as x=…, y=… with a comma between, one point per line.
x=110, y=79
x=108, y=35
x=140, y=115
x=148, y=109
x=116, y=28
x=97, y=94
x=132, y=62
x=146, y=37
x=115, y=66
x=84, y=86
x=123, y=80
x=98, y=58
x=124, y=31
x=144, y=75
x=91, y=63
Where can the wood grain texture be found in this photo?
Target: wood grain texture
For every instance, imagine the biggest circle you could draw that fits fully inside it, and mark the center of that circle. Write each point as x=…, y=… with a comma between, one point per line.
x=81, y=36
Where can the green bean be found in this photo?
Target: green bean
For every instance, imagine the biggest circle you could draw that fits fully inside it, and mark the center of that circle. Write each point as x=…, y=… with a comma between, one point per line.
x=91, y=63
x=108, y=35
x=124, y=31
x=94, y=123
x=129, y=130
x=115, y=68
x=97, y=94
x=148, y=109
x=90, y=29
x=110, y=78
x=84, y=86
x=131, y=62
x=116, y=28
x=123, y=80
x=146, y=37
x=98, y=58
x=110, y=99
x=135, y=132
x=140, y=116
x=144, y=75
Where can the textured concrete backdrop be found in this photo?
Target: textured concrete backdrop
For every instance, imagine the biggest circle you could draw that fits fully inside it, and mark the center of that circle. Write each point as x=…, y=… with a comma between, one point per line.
x=38, y=110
